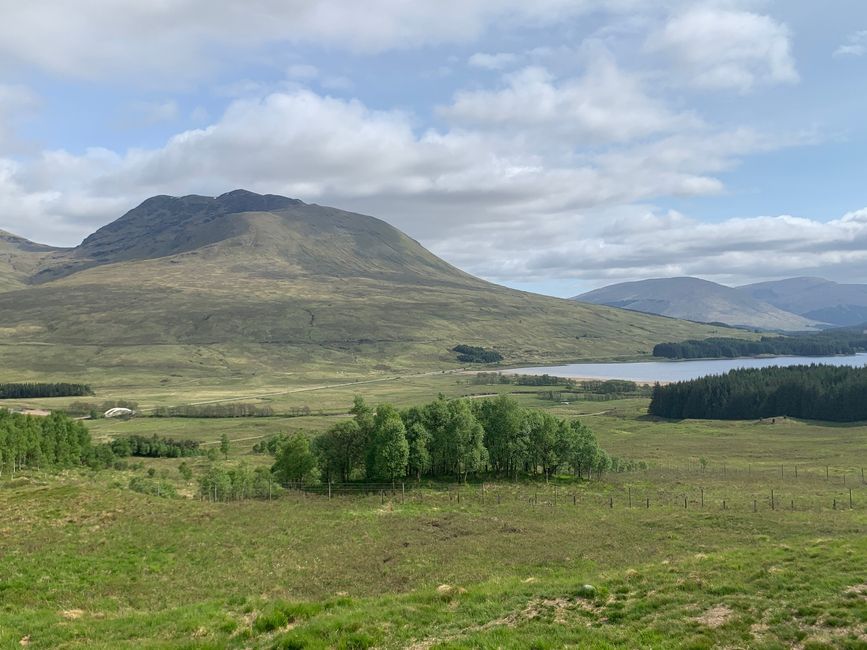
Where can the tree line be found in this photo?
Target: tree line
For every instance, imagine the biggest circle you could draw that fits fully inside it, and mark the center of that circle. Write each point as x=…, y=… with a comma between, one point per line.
x=829, y=343
x=28, y=390
x=153, y=447
x=223, y=410
x=814, y=392
x=494, y=378
x=442, y=439
x=598, y=386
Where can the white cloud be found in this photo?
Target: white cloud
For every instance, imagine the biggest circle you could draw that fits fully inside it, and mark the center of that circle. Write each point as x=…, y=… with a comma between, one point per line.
x=633, y=242
x=726, y=49
x=606, y=104
x=855, y=45
x=342, y=153
x=170, y=42
x=493, y=61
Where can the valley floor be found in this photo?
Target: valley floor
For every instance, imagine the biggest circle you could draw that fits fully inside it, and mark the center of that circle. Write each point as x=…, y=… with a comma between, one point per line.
x=690, y=553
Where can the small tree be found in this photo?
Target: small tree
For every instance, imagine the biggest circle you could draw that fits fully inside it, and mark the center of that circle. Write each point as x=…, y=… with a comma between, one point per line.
x=389, y=451
x=340, y=450
x=295, y=462
x=419, y=460
x=185, y=471
x=583, y=448
x=224, y=445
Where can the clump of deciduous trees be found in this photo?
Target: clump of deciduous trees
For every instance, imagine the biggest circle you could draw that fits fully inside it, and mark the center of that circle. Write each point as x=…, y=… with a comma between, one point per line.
x=55, y=441
x=154, y=447
x=237, y=483
x=443, y=439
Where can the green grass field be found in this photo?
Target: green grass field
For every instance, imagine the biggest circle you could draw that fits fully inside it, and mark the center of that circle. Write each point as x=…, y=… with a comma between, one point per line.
x=86, y=562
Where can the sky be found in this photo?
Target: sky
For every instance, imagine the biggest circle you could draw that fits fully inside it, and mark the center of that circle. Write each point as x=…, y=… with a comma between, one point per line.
x=555, y=146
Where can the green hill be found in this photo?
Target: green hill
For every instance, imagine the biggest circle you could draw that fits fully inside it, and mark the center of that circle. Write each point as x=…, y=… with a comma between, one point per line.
x=249, y=283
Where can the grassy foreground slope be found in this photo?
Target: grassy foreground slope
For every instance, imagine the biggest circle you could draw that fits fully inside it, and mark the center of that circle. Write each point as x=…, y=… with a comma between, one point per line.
x=247, y=283
x=87, y=563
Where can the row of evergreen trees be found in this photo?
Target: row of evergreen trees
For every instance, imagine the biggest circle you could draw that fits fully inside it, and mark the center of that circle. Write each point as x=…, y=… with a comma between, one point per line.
x=55, y=441
x=445, y=438
x=29, y=390
x=832, y=342
x=814, y=392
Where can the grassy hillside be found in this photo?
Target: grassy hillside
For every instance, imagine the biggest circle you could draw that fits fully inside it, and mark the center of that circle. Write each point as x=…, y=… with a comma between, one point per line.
x=178, y=281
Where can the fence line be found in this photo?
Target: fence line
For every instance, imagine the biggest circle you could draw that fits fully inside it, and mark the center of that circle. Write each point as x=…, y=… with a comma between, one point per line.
x=611, y=497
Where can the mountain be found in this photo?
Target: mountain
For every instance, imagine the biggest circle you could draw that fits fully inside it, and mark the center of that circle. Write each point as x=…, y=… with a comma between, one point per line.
x=814, y=298
x=697, y=300
x=247, y=283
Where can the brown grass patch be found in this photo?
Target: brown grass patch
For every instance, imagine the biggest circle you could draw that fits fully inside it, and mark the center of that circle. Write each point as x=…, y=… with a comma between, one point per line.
x=715, y=616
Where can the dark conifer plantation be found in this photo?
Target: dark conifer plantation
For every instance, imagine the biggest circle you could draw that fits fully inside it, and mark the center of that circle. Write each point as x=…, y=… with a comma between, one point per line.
x=832, y=342
x=814, y=392
x=29, y=390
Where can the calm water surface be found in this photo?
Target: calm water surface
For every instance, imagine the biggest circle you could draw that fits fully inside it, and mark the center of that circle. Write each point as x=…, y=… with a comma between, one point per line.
x=680, y=370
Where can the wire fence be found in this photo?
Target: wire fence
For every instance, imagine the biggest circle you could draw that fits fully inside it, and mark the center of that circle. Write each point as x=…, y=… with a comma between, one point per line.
x=594, y=494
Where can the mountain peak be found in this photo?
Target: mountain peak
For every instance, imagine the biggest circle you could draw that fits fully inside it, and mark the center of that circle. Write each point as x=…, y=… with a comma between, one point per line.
x=252, y=233
x=247, y=201
x=173, y=224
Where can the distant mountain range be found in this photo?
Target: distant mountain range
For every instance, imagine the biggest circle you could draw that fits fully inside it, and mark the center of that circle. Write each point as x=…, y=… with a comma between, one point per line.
x=697, y=300
x=793, y=304
x=246, y=283
x=815, y=298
